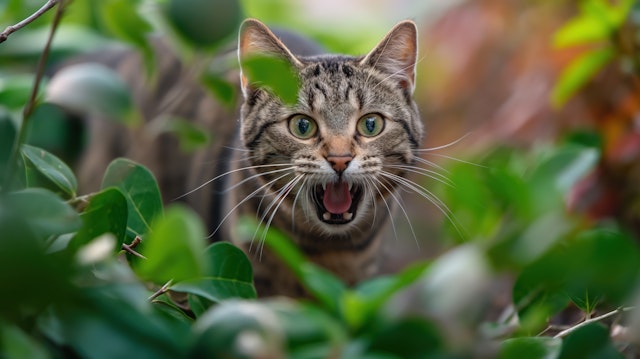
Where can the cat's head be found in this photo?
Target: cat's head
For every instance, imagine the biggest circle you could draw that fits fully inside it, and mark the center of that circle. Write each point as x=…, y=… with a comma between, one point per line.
x=343, y=147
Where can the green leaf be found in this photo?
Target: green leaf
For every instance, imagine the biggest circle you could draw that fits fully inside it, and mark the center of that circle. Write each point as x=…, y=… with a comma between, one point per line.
x=45, y=212
x=222, y=89
x=273, y=73
x=18, y=345
x=174, y=248
x=122, y=19
x=530, y=348
x=589, y=342
x=205, y=23
x=581, y=30
x=141, y=191
x=578, y=73
x=408, y=338
x=15, y=90
x=191, y=135
x=229, y=275
x=94, y=89
x=52, y=168
x=105, y=213
x=7, y=138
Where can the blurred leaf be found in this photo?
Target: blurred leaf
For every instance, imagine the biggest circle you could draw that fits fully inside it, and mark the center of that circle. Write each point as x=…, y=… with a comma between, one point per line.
x=52, y=168
x=579, y=72
x=273, y=73
x=141, y=191
x=223, y=329
x=191, y=135
x=122, y=18
x=15, y=90
x=91, y=88
x=16, y=344
x=45, y=212
x=368, y=297
x=589, y=342
x=174, y=248
x=581, y=30
x=229, y=275
x=7, y=137
x=407, y=338
x=222, y=89
x=205, y=23
x=530, y=348
x=69, y=40
x=105, y=213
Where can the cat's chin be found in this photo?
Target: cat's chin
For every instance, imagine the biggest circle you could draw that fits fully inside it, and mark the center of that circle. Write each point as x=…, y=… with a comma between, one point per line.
x=336, y=219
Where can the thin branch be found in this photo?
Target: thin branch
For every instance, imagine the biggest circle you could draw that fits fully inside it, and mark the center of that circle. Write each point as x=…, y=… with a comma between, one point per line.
x=13, y=28
x=566, y=332
x=161, y=291
x=31, y=103
x=129, y=248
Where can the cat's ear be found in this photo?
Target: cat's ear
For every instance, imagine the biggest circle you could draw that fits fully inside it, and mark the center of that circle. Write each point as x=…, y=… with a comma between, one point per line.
x=256, y=39
x=396, y=54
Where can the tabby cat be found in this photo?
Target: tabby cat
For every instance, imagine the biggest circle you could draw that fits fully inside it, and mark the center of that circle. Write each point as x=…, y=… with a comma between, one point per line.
x=324, y=170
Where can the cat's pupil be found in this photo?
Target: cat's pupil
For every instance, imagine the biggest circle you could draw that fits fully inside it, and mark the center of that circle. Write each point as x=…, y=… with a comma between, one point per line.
x=303, y=126
x=370, y=124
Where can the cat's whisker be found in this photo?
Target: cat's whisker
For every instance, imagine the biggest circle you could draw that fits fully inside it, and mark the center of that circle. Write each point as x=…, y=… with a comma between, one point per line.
x=436, y=176
x=428, y=195
x=415, y=238
x=386, y=204
x=430, y=164
x=295, y=201
x=235, y=171
x=245, y=199
x=450, y=144
x=458, y=160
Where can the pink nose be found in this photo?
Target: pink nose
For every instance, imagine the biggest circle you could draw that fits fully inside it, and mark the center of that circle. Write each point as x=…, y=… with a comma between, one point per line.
x=339, y=163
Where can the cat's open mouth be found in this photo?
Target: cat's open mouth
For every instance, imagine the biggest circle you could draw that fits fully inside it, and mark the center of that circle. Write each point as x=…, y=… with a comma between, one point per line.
x=337, y=202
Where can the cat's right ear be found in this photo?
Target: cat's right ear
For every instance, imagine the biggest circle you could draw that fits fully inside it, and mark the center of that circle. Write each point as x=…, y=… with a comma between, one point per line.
x=256, y=39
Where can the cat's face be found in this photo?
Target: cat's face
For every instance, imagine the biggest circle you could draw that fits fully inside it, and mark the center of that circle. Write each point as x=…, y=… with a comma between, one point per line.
x=336, y=156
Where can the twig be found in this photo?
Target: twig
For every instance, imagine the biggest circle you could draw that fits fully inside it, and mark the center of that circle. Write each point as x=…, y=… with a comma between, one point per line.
x=31, y=103
x=13, y=28
x=566, y=332
x=161, y=291
x=129, y=248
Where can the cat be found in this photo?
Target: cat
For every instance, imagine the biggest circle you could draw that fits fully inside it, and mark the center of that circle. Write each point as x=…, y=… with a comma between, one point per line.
x=325, y=170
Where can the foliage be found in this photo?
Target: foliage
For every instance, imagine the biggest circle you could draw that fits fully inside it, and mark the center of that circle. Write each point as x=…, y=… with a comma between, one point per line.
x=114, y=274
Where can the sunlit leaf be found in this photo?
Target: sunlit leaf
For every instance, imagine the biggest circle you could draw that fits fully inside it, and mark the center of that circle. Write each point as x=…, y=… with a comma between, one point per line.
x=92, y=88
x=273, y=73
x=580, y=72
x=52, y=168
x=141, y=191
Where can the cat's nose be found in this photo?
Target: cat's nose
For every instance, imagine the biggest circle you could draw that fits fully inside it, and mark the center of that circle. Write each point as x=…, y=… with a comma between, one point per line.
x=339, y=163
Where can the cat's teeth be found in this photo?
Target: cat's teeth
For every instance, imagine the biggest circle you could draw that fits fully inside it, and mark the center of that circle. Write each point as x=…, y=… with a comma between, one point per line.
x=347, y=216
x=326, y=216
x=324, y=186
x=350, y=186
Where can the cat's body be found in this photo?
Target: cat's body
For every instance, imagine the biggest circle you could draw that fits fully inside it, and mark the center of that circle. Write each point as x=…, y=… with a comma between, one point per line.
x=324, y=170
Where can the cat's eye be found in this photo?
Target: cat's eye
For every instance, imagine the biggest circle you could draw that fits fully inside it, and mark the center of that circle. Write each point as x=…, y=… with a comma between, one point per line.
x=370, y=125
x=303, y=126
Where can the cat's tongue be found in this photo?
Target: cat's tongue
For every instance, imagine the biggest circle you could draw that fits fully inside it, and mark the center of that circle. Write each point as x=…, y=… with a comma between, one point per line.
x=337, y=198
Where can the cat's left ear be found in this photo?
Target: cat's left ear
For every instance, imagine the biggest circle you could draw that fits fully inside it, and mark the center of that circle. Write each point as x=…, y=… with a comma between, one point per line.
x=256, y=39
x=396, y=54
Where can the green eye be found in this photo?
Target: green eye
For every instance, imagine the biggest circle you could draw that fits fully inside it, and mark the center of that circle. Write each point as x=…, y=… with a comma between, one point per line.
x=302, y=126
x=370, y=125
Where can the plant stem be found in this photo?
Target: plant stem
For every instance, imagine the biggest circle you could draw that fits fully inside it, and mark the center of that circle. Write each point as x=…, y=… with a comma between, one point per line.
x=31, y=103
x=13, y=28
x=566, y=332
